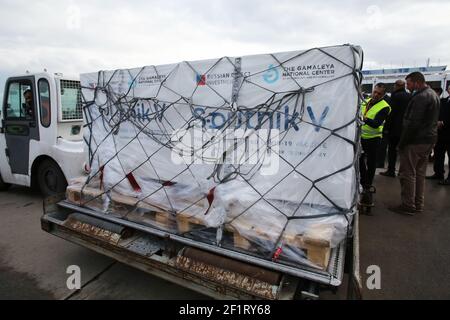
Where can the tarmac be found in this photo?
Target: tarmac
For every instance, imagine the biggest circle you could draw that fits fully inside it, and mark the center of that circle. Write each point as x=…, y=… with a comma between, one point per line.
x=412, y=253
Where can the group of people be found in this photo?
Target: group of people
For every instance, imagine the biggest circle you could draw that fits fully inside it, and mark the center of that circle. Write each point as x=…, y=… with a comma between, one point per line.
x=413, y=121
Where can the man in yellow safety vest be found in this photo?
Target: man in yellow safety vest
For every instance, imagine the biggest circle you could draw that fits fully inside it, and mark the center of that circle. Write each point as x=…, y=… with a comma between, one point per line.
x=374, y=111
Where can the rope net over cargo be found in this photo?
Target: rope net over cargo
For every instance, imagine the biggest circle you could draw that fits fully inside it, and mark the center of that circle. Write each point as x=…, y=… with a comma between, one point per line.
x=263, y=148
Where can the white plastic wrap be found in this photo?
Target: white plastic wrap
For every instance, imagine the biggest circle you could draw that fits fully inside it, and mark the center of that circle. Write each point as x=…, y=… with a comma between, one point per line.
x=174, y=130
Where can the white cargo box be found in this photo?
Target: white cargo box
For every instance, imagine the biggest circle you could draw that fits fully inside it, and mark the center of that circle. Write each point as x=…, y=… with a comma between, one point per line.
x=261, y=147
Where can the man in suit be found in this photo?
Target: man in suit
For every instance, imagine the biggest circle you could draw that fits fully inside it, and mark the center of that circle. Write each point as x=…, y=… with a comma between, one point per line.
x=393, y=126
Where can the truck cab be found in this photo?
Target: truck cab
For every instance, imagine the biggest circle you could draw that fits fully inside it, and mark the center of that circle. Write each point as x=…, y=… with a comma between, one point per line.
x=41, y=132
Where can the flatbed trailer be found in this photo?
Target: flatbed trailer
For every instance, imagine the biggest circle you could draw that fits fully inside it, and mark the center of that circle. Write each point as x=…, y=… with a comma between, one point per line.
x=211, y=270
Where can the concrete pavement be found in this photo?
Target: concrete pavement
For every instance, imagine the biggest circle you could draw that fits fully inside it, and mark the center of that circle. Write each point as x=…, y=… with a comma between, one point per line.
x=33, y=263
x=413, y=254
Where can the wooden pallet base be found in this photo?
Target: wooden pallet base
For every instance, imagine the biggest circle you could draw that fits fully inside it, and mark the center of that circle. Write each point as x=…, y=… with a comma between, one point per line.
x=316, y=249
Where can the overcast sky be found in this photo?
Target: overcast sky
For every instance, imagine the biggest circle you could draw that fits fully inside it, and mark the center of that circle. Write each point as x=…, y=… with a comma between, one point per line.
x=83, y=36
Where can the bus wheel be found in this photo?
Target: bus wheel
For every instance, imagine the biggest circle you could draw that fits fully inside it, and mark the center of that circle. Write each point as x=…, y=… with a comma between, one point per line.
x=51, y=179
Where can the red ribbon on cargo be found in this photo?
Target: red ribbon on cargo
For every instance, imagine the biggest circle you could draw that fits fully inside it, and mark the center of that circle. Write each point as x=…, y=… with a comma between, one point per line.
x=167, y=183
x=133, y=182
x=277, y=254
x=210, y=198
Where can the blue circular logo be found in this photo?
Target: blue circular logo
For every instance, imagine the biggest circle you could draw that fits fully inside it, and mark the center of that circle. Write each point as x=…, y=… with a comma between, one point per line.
x=271, y=75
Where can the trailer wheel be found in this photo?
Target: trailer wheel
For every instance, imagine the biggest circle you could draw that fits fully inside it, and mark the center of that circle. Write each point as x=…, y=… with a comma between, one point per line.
x=50, y=178
x=3, y=185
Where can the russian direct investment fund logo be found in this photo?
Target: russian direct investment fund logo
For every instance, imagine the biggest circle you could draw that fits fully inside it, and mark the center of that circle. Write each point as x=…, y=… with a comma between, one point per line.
x=271, y=75
x=201, y=79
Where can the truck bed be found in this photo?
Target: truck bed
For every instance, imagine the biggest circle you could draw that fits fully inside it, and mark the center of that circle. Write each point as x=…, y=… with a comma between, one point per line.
x=164, y=254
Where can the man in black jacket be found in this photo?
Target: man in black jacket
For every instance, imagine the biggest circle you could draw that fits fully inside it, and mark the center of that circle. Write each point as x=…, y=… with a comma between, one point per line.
x=419, y=134
x=393, y=126
x=443, y=142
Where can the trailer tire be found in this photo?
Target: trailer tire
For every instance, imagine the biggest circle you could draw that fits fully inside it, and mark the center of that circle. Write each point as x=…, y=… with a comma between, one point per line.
x=3, y=185
x=51, y=180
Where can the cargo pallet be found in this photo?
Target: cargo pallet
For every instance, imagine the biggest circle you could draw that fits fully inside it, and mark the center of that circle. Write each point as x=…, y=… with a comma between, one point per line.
x=317, y=250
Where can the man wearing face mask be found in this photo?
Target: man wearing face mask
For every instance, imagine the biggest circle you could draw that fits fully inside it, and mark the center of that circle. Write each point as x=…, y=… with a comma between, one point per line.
x=374, y=110
x=419, y=134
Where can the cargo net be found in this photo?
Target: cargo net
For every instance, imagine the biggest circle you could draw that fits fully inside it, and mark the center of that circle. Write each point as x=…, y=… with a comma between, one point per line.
x=166, y=155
